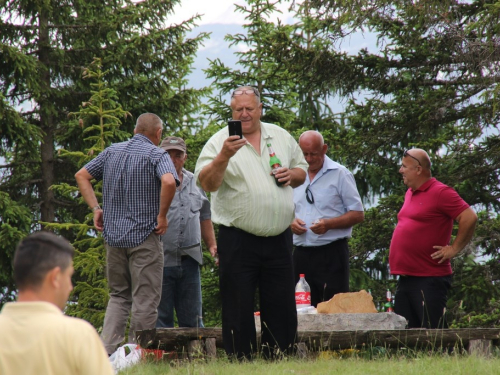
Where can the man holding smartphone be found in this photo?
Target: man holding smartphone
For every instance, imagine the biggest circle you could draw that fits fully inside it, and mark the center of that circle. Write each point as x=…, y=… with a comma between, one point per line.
x=254, y=216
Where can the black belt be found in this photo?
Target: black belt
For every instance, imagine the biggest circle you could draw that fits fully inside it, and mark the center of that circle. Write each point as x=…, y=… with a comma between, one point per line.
x=184, y=257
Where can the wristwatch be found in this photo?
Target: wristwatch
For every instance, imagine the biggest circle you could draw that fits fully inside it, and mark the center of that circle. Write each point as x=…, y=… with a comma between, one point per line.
x=96, y=208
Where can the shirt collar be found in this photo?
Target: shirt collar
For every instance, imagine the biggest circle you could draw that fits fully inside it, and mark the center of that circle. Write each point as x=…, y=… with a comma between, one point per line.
x=426, y=185
x=143, y=138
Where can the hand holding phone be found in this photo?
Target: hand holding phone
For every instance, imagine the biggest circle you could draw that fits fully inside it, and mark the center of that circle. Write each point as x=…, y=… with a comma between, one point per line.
x=234, y=127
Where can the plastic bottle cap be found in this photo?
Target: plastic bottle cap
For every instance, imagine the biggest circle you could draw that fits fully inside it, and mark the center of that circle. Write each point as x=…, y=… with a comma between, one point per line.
x=302, y=275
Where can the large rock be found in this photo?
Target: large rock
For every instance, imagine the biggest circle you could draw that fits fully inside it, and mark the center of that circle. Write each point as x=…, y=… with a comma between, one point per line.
x=357, y=302
x=346, y=322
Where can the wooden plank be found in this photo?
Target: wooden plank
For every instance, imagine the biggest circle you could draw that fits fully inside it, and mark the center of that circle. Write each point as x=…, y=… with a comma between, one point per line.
x=177, y=338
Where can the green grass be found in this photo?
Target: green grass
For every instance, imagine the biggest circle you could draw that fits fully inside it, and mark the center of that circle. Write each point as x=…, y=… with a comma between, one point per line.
x=399, y=363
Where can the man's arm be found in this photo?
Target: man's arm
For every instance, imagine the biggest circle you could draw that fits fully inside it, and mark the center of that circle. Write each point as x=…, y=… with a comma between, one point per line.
x=208, y=236
x=466, y=226
x=211, y=175
x=83, y=178
x=167, y=193
x=293, y=177
x=297, y=177
x=344, y=221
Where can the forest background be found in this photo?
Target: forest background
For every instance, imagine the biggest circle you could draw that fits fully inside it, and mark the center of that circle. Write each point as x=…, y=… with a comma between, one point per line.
x=89, y=68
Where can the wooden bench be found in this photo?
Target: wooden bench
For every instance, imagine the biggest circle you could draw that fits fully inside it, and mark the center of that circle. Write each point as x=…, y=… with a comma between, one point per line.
x=205, y=340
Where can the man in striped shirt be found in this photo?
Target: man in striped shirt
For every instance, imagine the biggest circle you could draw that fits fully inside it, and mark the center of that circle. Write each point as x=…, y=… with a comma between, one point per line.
x=139, y=182
x=254, y=216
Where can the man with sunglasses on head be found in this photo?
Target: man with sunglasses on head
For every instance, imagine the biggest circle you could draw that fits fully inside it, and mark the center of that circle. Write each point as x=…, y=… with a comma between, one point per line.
x=420, y=250
x=254, y=215
x=327, y=206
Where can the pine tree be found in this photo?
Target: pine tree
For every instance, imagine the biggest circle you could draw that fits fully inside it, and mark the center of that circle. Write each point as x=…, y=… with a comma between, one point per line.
x=45, y=46
x=98, y=120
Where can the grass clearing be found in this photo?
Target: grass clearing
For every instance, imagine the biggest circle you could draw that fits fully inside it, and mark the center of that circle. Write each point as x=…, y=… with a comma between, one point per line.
x=396, y=363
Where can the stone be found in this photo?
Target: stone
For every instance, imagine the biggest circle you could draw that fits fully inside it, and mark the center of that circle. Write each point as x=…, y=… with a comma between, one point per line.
x=347, y=322
x=356, y=302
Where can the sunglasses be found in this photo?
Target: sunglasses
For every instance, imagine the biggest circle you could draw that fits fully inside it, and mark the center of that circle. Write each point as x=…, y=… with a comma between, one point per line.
x=413, y=157
x=253, y=90
x=309, y=196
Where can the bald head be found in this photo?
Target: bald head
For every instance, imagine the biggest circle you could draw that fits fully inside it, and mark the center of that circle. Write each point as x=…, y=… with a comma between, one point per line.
x=314, y=149
x=422, y=156
x=312, y=136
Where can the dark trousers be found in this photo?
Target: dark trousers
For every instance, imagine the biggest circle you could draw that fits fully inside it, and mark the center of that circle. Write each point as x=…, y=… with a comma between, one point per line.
x=248, y=262
x=422, y=300
x=326, y=269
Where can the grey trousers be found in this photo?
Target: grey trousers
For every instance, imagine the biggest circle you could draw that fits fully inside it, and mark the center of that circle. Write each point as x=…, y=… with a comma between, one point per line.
x=134, y=278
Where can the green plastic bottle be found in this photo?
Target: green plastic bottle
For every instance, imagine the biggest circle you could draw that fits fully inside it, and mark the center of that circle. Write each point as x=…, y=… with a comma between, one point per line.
x=274, y=162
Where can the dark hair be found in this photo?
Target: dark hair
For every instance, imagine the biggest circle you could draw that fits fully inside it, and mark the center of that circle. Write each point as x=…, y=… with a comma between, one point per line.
x=36, y=255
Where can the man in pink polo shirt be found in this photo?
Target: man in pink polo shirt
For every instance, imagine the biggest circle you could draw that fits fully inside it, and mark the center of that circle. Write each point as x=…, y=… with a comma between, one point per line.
x=420, y=249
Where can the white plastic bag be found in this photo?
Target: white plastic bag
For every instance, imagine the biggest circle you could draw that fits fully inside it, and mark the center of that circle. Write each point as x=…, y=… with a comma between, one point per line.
x=125, y=356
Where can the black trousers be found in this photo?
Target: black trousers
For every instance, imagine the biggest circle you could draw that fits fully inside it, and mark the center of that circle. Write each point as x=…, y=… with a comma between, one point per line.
x=422, y=300
x=326, y=269
x=246, y=262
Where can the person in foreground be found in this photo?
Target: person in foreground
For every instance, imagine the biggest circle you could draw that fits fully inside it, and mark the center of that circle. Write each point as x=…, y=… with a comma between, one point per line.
x=254, y=216
x=36, y=337
x=139, y=182
x=420, y=250
x=189, y=222
x=327, y=206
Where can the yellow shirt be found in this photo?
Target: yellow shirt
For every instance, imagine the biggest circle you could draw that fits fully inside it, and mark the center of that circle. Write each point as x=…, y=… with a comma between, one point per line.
x=249, y=198
x=36, y=338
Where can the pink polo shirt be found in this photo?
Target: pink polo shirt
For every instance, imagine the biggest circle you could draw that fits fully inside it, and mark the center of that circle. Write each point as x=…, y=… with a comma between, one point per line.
x=425, y=220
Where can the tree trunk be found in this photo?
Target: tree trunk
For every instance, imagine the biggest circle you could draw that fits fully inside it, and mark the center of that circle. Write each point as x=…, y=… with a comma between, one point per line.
x=46, y=122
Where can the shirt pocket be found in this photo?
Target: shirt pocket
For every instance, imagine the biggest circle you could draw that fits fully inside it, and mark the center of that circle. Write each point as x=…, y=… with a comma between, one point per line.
x=328, y=199
x=196, y=203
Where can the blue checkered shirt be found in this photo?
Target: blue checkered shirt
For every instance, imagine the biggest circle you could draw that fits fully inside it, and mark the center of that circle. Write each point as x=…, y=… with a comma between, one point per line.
x=131, y=173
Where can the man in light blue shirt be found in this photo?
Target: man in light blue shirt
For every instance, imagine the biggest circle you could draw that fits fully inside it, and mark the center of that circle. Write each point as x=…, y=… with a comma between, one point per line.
x=327, y=206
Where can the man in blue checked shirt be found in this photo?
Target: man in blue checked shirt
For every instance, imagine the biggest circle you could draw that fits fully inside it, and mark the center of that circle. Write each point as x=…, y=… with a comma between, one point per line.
x=139, y=182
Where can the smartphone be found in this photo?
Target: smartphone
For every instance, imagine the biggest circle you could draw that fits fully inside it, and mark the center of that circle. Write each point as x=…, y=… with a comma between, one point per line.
x=234, y=127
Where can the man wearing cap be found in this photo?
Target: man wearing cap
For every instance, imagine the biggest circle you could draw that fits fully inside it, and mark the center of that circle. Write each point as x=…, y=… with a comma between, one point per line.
x=189, y=220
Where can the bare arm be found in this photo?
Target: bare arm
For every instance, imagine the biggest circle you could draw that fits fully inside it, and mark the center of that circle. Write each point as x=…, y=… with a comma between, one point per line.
x=344, y=221
x=208, y=235
x=211, y=175
x=293, y=177
x=466, y=226
x=83, y=178
x=166, y=195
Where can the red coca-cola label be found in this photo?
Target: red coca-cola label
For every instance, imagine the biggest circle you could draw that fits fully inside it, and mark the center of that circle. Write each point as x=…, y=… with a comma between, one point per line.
x=303, y=298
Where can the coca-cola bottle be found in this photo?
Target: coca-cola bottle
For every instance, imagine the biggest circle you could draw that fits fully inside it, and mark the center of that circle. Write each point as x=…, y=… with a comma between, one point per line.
x=389, y=307
x=302, y=293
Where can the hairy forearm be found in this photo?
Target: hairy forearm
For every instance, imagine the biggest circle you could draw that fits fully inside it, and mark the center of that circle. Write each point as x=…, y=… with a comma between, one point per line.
x=212, y=175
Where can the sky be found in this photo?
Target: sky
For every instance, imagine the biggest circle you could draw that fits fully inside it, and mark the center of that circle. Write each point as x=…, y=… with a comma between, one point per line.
x=218, y=12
